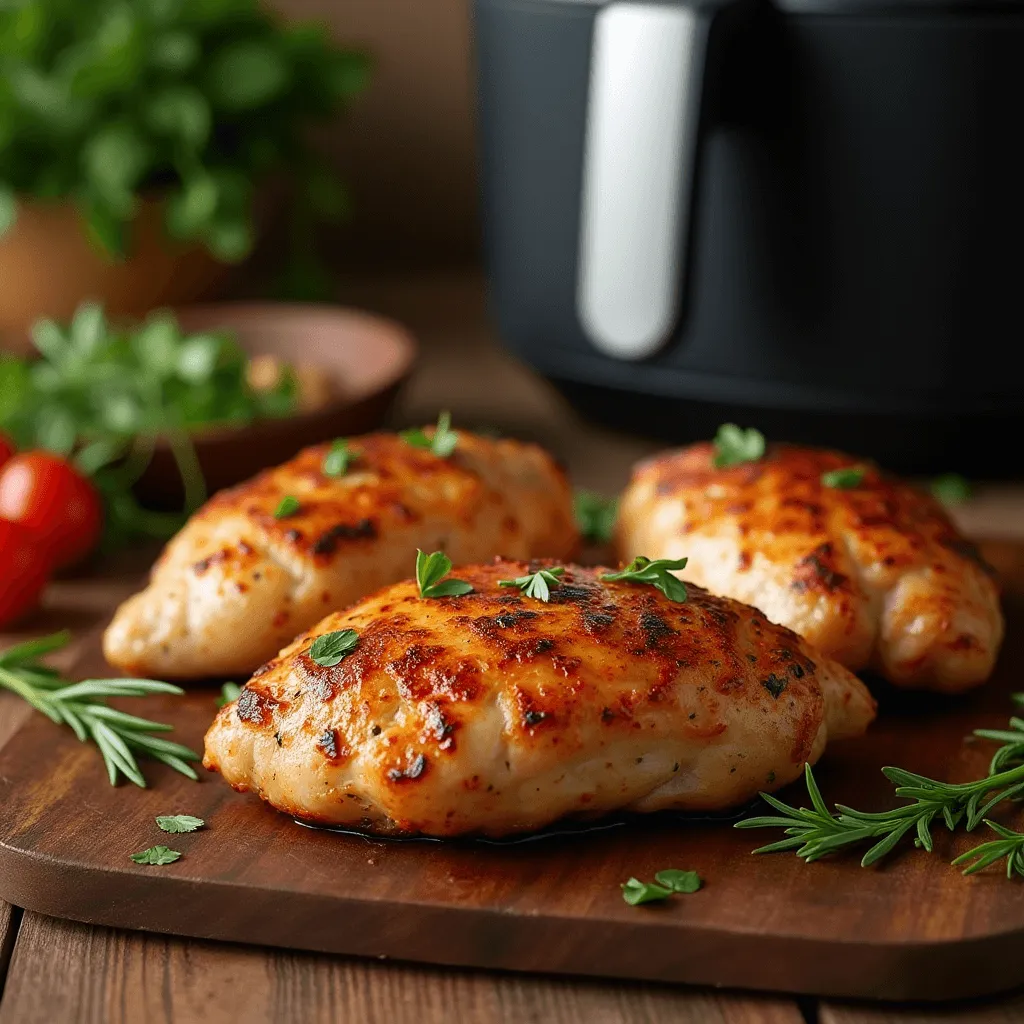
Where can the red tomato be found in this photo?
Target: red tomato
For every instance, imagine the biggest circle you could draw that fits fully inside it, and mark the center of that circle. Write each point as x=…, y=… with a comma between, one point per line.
x=7, y=448
x=54, y=502
x=24, y=569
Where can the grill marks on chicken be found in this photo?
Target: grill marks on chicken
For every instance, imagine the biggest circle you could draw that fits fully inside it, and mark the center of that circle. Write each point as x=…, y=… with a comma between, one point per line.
x=237, y=582
x=493, y=713
x=875, y=576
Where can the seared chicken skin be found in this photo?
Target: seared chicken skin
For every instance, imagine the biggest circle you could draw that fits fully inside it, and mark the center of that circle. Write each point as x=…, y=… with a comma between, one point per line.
x=237, y=582
x=874, y=575
x=495, y=713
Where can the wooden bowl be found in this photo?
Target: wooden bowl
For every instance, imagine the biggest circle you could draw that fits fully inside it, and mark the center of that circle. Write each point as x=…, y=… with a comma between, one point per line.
x=364, y=357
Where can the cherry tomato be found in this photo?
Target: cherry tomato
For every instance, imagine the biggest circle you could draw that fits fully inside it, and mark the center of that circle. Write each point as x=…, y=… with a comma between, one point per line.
x=52, y=500
x=24, y=568
x=7, y=448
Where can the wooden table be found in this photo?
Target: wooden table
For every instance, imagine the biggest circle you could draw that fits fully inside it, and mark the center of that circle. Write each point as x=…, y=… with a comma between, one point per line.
x=60, y=971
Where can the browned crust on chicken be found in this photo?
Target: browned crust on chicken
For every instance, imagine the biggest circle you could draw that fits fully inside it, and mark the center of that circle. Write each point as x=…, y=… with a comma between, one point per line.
x=496, y=713
x=237, y=582
x=876, y=576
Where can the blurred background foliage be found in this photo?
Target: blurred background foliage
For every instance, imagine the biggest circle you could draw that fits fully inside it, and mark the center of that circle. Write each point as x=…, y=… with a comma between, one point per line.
x=193, y=103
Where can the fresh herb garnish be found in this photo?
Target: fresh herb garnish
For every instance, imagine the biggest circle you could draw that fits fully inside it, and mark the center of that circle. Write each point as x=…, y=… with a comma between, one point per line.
x=228, y=693
x=666, y=884
x=679, y=881
x=656, y=573
x=845, y=478
x=179, y=823
x=156, y=855
x=82, y=706
x=442, y=442
x=430, y=572
x=103, y=395
x=339, y=458
x=951, y=489
x=1010, y=846
x=537, y=584
x=815, y=832
x=329, y=649
x=635, y=892
x=287, y=507
x=595, y=515
x=734, y=446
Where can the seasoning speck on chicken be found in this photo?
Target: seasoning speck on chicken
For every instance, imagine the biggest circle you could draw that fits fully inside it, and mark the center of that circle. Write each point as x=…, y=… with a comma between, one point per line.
x=493, y=713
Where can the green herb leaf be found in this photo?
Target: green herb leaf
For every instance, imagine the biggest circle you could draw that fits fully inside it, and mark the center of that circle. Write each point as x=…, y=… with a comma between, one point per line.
x=441, y=443
x=179, y=823
x=951, y=489
x=287, y=507
x=8, y=209
x=845, y=478
x=430, y=572
x=657, y=574
x=537, y=584
x=82, y=706
x=338, y=458
x=156, y=855
x=635, y=892
x=245, y=74
x=329, y=648
x=679, y=881
x=595, y=516
x=228, y=692
x=734, y=446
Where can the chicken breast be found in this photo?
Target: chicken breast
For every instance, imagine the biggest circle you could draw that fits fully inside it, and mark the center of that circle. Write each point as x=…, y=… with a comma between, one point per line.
x=494, y=713
x=237, y=582
x=874, y=575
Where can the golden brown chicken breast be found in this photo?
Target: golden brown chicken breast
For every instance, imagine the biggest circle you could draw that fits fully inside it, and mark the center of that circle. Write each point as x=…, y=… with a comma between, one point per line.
x=251, y=570
x=497, y=712
x=869, y=570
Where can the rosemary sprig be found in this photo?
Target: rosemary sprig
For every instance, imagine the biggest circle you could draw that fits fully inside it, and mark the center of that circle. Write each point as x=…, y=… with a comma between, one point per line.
x=1012, y=739
x=814, y=832
x=1010, y=846
x=82, y=706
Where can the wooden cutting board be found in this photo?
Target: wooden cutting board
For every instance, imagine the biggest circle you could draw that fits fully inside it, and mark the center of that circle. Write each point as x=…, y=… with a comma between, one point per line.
x=910, y=929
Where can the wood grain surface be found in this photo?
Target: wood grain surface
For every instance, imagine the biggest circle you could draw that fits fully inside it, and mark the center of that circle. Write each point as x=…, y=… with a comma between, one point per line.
x=1008, y=1010
x=910, y=929
x=96, y=976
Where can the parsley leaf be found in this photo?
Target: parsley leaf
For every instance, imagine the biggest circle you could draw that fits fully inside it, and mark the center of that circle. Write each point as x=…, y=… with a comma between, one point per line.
x=228, y=693
x=179, y=823
x=537, y=584
x=635, y=892
x=288, y=506
x=844, y=479
x=156, y=855
x=338, y=458
x=734, y=446
x=679, y=881
x=430, y=572
x=443, y=441
x=330, y=648
x=951, y=489
x=595, y=515
x=656, y=573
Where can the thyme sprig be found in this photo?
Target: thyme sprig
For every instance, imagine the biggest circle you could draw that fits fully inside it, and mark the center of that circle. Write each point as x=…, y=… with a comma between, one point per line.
x=82, y=707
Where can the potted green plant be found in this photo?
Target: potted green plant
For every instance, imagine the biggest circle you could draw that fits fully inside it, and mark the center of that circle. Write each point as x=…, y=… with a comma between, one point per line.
x=135, y=136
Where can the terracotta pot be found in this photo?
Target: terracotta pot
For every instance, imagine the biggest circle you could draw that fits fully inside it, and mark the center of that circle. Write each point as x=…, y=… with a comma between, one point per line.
x=48, y=266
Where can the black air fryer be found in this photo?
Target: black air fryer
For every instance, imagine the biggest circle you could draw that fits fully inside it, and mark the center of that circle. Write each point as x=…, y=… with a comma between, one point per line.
x=804, y=215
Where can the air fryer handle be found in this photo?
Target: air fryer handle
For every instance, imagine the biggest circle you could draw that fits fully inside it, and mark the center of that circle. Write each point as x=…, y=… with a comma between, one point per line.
x=647, y=81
